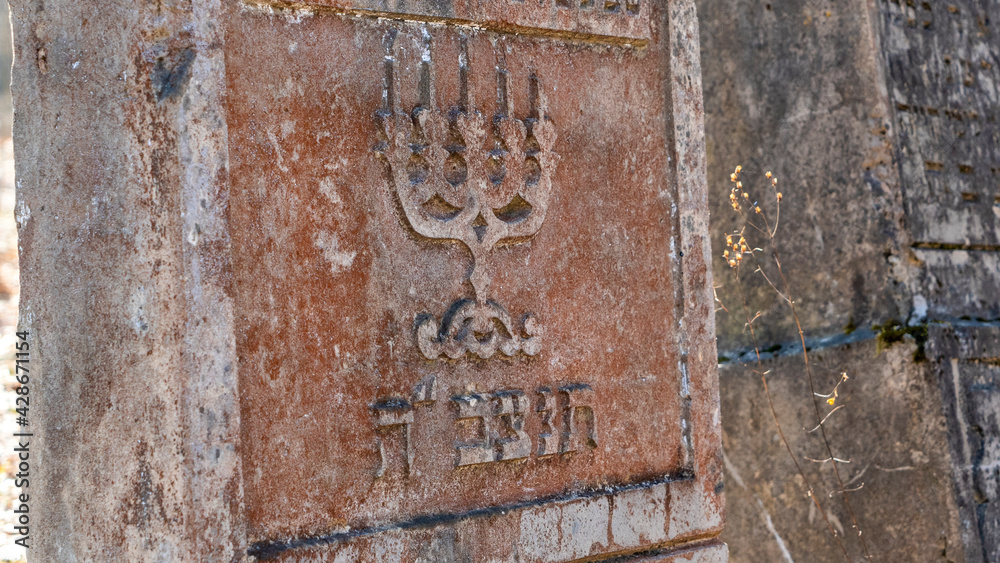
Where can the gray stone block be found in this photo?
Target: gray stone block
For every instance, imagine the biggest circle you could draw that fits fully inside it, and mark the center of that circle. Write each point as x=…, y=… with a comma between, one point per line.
x=891, y=429
x=880, y=119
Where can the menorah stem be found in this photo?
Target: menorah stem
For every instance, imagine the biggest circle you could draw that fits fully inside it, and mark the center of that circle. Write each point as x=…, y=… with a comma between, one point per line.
x=480, y=278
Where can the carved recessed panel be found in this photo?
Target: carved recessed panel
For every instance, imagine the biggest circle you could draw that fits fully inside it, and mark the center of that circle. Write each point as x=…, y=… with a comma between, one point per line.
x=455, y=264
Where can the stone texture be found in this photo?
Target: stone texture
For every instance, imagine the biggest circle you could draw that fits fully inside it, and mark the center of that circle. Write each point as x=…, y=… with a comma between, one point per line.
x=795, y=91
x=879, y=119
x=345, y=281
x=892, y=430
x=330, y=284
x=941, y=65
x=711, y=553
x=337, y=223
x=968, y=370
x=120, y=145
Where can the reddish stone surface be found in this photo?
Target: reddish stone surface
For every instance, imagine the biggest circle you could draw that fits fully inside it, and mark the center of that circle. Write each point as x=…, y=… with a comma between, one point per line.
x=480, y=330
x=330, y=279
x=334, y=278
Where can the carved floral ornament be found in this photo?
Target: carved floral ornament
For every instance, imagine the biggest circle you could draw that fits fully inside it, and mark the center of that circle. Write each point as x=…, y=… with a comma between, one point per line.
x=462, y=176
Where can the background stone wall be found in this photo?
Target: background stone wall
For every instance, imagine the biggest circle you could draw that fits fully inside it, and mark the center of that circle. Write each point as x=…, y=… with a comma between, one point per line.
x=879, y=117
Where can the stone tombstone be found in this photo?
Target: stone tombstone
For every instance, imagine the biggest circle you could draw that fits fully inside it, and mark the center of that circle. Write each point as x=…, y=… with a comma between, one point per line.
x=416, y=281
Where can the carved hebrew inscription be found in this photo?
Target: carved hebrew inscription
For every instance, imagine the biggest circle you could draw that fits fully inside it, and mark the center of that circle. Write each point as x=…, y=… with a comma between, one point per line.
x=463, y=176
x=490, y=427
x=396, y=414
x=393, y=415
x=498, y=423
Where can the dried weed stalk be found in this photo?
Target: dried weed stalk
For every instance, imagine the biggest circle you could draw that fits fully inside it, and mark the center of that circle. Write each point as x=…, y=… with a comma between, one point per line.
x=739, y=254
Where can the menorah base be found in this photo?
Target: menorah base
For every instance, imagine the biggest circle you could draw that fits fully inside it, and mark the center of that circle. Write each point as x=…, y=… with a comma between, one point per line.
x=480, y=329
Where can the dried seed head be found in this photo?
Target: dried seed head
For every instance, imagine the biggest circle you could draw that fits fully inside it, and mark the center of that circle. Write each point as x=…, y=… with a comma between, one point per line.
x=768, y=174
x=778, y=196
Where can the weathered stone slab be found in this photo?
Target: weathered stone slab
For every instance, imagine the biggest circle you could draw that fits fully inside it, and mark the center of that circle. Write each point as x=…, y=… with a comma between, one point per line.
x=794, y=89
x=558, y=531
x=120, y=142
x=453, y=257
x=959, y=284
x=442, y=243
x=880, y=121
x=968, y=369
x=890, y=428
x=941, y=62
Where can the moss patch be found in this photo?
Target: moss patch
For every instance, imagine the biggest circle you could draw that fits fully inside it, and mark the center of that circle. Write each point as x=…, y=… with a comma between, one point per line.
x=893, y=331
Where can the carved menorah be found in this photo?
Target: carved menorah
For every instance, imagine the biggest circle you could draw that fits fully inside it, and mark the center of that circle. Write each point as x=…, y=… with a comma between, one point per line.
x=462, y=176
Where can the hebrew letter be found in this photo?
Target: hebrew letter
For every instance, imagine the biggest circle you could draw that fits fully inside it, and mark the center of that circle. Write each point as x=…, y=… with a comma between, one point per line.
x=513, y=443
x=475, y=412
x=390, y=415
x=425, y=393
x=548, y=438
x=579, y=425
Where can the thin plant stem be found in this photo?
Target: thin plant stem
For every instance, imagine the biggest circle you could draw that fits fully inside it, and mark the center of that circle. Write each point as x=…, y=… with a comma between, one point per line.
x=735, y=259
x=820, y=419
x=774, y=416
x=816, y=407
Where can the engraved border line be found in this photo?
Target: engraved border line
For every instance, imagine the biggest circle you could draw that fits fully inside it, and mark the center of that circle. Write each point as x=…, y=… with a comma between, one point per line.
x=688, y=544
x=269, y=549
x=925, y=245
x=494, y=26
